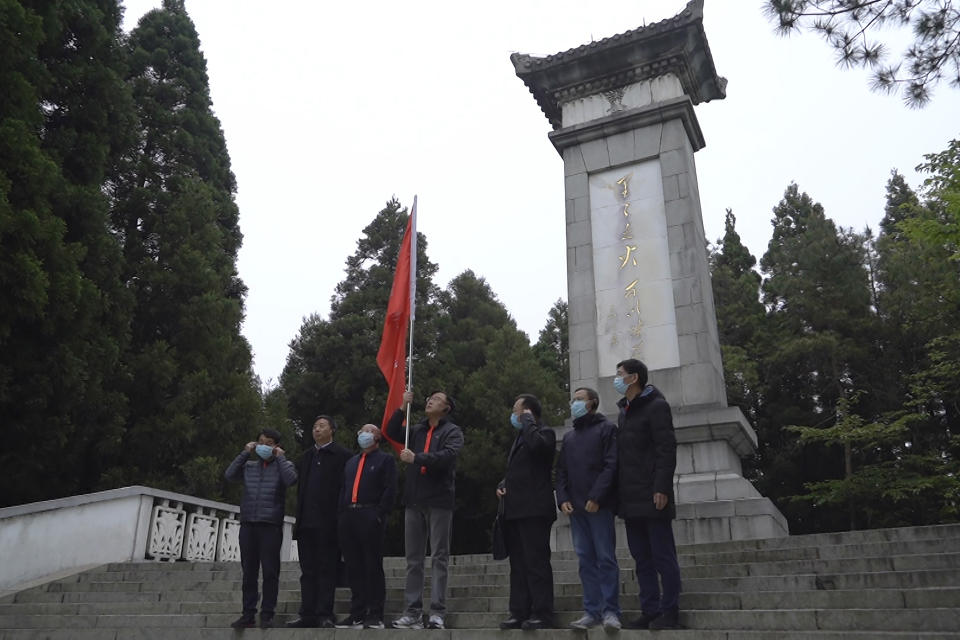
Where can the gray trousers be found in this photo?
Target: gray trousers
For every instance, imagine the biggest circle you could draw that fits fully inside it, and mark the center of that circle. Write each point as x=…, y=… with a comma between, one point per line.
x=419, y=524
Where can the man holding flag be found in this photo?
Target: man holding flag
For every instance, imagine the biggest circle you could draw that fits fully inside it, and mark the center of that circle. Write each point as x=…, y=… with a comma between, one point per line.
x=429, y=448
x=431, y=457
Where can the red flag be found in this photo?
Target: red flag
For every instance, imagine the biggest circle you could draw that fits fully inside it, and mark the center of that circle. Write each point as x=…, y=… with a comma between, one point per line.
x=392, y=356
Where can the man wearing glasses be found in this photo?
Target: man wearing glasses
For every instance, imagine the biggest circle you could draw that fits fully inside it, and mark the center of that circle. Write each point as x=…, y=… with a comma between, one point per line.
x=431, y=458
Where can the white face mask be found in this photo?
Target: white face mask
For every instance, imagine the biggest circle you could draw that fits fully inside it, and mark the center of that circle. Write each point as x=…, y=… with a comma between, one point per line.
x=364, y=439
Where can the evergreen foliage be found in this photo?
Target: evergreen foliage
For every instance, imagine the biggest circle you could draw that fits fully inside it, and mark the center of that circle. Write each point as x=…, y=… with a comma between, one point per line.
x=848, y=26
x=848, y=368
x=553, y=346
x=736, y=286
x=190, y=382
x=64, y=121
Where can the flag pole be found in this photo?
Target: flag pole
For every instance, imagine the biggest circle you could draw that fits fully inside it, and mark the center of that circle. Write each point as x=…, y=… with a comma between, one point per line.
x=413, y=314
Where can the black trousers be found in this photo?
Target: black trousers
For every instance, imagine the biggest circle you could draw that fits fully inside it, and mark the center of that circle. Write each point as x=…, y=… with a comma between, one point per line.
x=260, y=547
x=361, y=540
x=319, y=555
x=531, y=575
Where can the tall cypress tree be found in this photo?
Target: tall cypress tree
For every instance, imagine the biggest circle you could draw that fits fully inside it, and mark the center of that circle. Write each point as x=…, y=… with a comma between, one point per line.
x=65, y=120
x=191, y=386
x=818, y=301
x=553, y=346
x=740, y=315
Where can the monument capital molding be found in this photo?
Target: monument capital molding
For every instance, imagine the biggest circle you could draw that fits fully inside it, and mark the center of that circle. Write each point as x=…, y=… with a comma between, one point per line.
x=676, y=45
x=680, y=108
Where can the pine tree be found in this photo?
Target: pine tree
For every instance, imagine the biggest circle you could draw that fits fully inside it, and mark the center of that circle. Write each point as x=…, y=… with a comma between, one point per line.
x=740, y=316
x=65, y=118
x=553, y=346
x=849, y=26
x=818, y=300
x=191, y=386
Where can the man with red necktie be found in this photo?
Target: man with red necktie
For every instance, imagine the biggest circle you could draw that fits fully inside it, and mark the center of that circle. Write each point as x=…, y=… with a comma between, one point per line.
x=369, y=489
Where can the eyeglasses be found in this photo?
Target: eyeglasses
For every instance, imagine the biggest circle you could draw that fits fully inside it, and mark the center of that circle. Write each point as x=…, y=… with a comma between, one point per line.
x=436, y=397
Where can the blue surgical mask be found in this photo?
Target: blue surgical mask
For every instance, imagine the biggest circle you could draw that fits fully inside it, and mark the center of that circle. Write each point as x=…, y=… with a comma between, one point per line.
x=264, y=451
x=364, y=439
x=578, y=408
x=620, y=385
x=515, y=421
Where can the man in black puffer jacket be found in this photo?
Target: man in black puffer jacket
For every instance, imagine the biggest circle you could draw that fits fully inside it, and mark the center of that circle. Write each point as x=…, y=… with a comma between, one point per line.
x=428, y=498
x=646, y=460
x=265, y=474
x=586, y=479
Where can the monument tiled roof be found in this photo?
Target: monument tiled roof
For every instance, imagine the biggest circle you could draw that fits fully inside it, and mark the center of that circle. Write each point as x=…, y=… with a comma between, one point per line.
x=675, y=45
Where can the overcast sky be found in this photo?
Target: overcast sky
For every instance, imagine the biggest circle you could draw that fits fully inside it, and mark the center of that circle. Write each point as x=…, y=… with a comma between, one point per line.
x=330, y=109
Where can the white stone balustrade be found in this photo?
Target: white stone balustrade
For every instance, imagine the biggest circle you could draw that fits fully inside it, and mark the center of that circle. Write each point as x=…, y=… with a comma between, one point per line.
x=50, y=538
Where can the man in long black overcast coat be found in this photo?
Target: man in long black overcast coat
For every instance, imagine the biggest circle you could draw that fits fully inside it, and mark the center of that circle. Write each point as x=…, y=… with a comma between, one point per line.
x=529, y=511
x=318, y=495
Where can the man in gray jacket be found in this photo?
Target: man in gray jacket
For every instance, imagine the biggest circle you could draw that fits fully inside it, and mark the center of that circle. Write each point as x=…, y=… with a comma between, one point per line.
x=265, y=474
x=431, y=458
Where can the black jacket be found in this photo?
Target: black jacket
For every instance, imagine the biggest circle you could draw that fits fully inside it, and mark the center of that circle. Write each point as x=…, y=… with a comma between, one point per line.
x=587, y=464
x=318, y=499
x=529, y=466
x=646, y=455
x=378, y=482
x=431, y=479
x=265, y=485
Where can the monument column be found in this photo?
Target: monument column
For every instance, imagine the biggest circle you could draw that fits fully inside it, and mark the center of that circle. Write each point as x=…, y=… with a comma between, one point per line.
x=637, y=273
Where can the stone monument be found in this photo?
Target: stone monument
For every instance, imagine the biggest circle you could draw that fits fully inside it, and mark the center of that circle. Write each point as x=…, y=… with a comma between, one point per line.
x=637, y=274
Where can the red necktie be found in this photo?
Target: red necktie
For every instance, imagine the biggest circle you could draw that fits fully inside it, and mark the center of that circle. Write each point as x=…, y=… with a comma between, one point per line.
x=426, y=448
x=356, y=478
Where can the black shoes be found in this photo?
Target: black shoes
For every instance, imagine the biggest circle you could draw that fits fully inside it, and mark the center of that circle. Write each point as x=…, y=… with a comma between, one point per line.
x=302, y=623
x=511, y=623
x=536, y=623
x=244, y=622
x=267, y=622
x=643, y=622
x=350, y=623
x=325, y=623
x=666, y=620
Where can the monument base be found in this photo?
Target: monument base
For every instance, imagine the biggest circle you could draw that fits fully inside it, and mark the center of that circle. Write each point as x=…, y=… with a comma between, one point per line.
x=703, y=522
x=715, y=503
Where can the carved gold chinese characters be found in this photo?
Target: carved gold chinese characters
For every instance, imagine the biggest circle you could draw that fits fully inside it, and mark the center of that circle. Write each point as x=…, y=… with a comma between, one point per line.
x=628, y=260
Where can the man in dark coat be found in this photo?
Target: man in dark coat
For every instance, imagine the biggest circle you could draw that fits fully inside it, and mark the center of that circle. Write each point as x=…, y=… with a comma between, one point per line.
x=318, y=501
x=529, y=512
x=366, y=500
x=647, y=458
x=428, y=495
x=266, y=474
x=586, y=477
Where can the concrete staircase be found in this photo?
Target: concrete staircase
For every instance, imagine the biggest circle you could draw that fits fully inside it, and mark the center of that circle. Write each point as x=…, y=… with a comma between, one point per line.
x=885, y=583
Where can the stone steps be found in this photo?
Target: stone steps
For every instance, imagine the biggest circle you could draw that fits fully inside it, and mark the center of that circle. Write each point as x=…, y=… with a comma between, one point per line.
x=893, y=583
x=187, y=633
x=929, y=619
x=832, y=569
x=288, y=602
